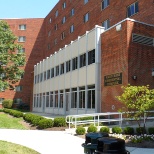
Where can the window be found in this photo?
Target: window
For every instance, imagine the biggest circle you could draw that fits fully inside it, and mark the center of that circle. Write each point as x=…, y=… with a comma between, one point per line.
x=91, y=57
x=106, y=24
x=63, y=20
x=82, y=97
x=82, y=60
x=56, y=13
x=68, y=66
x=62, y=35
x=17, y=100
x=74, y=98
x=47, y=99
x=1, y=100
x=48, y=46
x=51, y=99
x=50, y=20
x=21, y=39
x=75, y=63
x=132, y=9
x=48, y=74
x=55, y=41
x=18, y=88
x=45, y=76
x=64, y=5
x=22, y=27
x=72, y=12
x=86, y=17
x=91, y=97
x=52, y=72
x=86, y=1
x=56, y=26
x=105, y=3
x=61, y=99
x=62, y=68
x=56, y=99
x=41, y=77
x=57, y=70
x=49, y=33
x=72, y=29
x=22, y=50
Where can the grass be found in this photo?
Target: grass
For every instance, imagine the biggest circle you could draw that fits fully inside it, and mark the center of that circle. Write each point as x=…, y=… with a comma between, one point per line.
x=11, y=148
x=10, y=123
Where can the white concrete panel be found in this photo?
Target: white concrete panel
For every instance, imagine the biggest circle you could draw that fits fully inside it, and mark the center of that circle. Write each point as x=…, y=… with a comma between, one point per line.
x=51, y=83
x=56, y=83
x=68, y=53
x=67, y=80
x=62, y=82
x=74, y=76
x=52, y=62
x=74, y=48
x=73, y=111
x=56, y=59
x=91, y=74
x=61, y=56
x=82, y=76
x=47, y=85
x=91, y=40
x=82, y=45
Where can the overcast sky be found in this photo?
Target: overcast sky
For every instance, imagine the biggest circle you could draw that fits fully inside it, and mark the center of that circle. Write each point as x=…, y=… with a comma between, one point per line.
x=26, y=8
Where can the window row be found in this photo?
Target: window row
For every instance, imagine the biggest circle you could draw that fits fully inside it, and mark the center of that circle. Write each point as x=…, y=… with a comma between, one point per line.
x=56, y=99
x=68, y=66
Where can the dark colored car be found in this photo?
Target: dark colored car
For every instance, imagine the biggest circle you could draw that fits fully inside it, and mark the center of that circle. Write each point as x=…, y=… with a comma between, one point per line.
x=23, y=106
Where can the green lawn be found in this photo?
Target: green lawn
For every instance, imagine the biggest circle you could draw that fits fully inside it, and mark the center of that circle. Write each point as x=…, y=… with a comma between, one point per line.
x=10, y=123
x=11, y=148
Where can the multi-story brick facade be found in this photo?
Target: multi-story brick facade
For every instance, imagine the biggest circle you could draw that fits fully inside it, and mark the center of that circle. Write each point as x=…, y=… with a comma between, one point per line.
x=119, y=54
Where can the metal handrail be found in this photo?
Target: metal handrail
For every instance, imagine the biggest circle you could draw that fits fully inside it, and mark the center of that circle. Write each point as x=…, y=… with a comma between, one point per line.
x=73, y=119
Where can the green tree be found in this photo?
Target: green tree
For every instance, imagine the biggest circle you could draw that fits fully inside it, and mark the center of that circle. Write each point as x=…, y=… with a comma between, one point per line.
x=10, y=60
x=137, y=100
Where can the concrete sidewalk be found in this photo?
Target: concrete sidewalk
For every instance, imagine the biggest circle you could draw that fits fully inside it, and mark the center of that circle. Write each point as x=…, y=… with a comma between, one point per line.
x=47, y=142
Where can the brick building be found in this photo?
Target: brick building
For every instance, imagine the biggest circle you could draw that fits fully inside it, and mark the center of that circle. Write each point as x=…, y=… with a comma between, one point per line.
x=80, y=67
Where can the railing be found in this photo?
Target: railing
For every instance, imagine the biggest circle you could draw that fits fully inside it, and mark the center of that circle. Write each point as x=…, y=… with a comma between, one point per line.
x=96, y=118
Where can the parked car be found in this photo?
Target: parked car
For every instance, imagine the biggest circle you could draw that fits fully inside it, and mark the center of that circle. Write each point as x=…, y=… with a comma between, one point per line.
x=23, y=106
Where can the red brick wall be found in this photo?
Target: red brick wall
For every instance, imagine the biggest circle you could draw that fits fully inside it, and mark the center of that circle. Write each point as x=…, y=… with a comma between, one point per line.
x=34, y=53
x=120, y=54
x=114, y=60
x=141, y=57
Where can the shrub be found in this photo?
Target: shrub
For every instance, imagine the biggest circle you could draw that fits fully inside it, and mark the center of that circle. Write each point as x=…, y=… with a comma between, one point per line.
x=28, y=117
x=140, y=130
x=45, y=123
x=151, y=130
x=92, y=129
x=59, y=122
x=129, y=130
x=16, y=113
x=36, y=119
x=116, y=130
x=104, y=129
x=7, y=103
x=80, y=130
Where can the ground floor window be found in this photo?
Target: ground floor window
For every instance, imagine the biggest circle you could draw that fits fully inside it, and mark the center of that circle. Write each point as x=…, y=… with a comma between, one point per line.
x=78, y=97
x=47, y=99
x=51, y=99
x=61, y=99
x=91, y=97
x=82, y=97
x=56, y=99
x=74, y=98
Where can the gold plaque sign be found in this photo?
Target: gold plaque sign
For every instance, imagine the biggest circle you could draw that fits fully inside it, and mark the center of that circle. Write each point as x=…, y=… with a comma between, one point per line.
x=113, y=79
